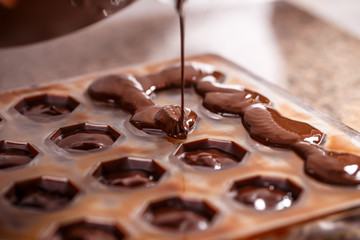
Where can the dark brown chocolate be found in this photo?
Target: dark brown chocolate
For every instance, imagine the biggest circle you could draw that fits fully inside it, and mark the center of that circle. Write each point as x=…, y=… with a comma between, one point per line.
x=209, y=153
x=329, y=166
x=131, y=94
x=266, y=193
x=26, y=21
x=45, y=106
x=267, y=126
x=212, y=158
x=42, y=194
x=14, y=154
x=86, y=230
x=180, y=215
x=129, y=173
x=84, y=137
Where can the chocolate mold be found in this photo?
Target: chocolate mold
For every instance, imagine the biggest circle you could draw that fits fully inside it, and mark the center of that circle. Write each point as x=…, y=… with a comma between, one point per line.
x=211, y=83
x=46, y=106
x=129, y=173
x=180, y=215
x=85, y=137
x=42, y=193
x=265, y=193
x=88, y=229
x=14, y=154
x=211, y=154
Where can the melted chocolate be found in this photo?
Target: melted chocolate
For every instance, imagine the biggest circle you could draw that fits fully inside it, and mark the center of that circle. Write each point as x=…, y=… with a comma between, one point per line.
x=42, y=194
x=129, y=179
x=179, y=220
x=267, y=126
x=211, y=158
x=129, y=173
x=131, y=93
x=14, y=154
x=88, y=231
x=14, y=157
x=263, y=198
x=84, y=137
x=266, y=193
x=179, y=215
x=36, y=20
x=46, y=106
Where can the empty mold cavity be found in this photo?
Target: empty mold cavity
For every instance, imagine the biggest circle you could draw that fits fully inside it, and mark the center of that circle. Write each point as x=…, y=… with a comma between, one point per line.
x=42, y=193
x=266, y=193
x=129, y=173
x=13, y=154
x=211, y=154
x=180, y=215
x=84, y=137
x=88, y=229
x=46, y=106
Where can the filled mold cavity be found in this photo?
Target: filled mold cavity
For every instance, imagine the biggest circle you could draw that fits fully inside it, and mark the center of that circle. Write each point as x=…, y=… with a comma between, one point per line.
x=129, y=173
x=46, y=106
x=180, y=215
x=211, y=154
x=42, y=193
x=88, y=229
x=266, y=193
x=14, y=154
x=85, y=137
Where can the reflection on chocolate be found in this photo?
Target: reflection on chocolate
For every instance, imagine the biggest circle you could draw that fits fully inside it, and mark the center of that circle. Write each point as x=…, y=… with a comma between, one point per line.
x=329, y=166
x=46, y=106
x=180, y=215
x=128, y=179
x=267, y=126
x=30, y=21
x=84, y=137
x=214, y=154
x=14, y=154
x=212, y=158
x=128, y=173
x=266, y=193
x=232, y=104
x=42, y=193
x=86, y=230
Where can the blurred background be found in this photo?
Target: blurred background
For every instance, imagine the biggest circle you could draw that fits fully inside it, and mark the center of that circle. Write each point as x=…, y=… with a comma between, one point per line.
x=311, y=48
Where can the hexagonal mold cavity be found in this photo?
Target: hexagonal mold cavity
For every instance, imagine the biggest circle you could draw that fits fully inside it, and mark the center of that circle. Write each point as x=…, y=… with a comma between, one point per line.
x=46, y=106
x=85, y=137
x=129, y=173
x=211, y=154
x=88, y=229
x=266, y=193
x=42, y=193
x=180, y=215
x=13, y=154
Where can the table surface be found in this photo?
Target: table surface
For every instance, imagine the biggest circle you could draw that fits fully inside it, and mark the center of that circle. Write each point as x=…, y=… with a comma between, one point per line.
x=315, y=58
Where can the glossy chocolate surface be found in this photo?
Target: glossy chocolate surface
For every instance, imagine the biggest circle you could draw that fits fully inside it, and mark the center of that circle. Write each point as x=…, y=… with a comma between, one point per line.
x=88, y=231
x=266, y=193
x=212, y=154
x=84, y=137
x=42, y=194
x=14, y=154
x=129, y=173
x=46, y=106
x=179, y=215
x=25, y=22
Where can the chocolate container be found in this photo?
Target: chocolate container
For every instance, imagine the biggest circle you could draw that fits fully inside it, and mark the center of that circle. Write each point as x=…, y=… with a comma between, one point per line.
x=71, y=166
